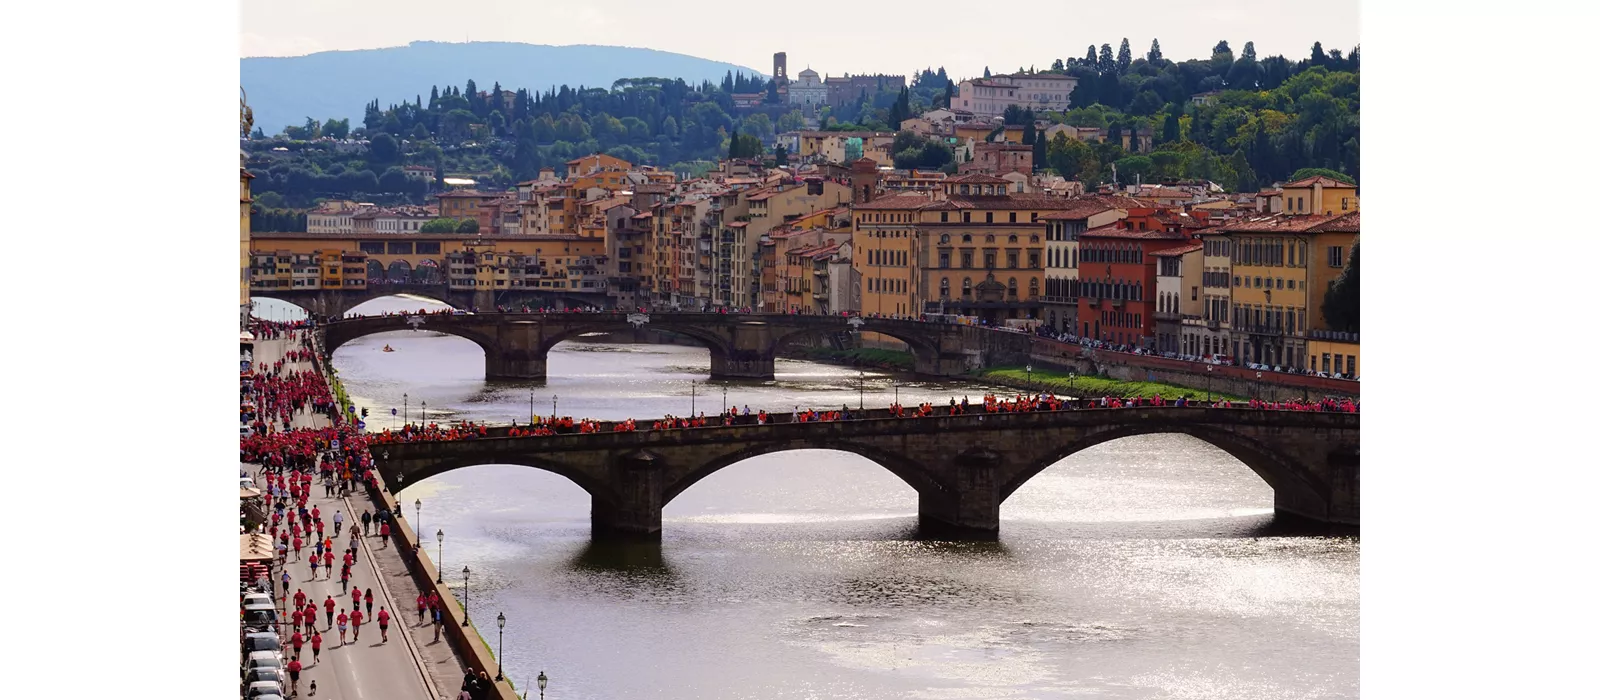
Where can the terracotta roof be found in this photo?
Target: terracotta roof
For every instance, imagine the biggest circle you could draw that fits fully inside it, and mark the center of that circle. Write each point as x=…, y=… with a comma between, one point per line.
x=1347, y=223
x=1180, y=250
x=977, y=179
x=469, y=193
x=1079, y=210
x=411, y=236
x=739, y=224
x=897, y=202
x=1278, y=223
x=1116, y=231
x=1324, y=180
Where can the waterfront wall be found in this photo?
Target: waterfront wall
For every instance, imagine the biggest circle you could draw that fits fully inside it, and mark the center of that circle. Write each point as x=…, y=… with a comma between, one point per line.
x=1237, y=381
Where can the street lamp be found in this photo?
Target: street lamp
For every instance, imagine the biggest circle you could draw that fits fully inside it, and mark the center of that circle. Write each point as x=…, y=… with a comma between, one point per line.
x=418, y=522
x=691, y=398
x=861, y=389
x=530, y=407
x=466, y=596
x=500, y=660
x=1030, y=376
x=424, y=414
x=724, y=399
x=542, y=681
x=440, y=536
x=405, y=402
x=553, y=400
x=1209, y=370
x=897, y=393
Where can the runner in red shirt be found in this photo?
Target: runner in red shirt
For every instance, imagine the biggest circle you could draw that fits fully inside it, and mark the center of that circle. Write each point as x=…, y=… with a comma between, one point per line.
x=328, y=606
x=327, y=560
x=296, y=617
x=294, y=676
x=355, y=598
x=369, y=600
x=316, y=647
x=344, y=621
x=383, y=623
x=299, y=598
x=311, y=616
x=422, y=609
x=296, y=544
x=355, y=623
x=383, y=534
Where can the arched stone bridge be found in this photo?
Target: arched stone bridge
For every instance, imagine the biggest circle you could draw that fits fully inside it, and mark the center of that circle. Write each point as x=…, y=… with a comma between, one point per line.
x=962, y=467
x=334, y=303
x=516, y=346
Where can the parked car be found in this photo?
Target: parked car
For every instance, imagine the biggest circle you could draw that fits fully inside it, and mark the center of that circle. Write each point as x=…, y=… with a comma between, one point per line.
x=260, y=659
x=260, y=688
x=258, y=615
x=278, y=675
x=260, y=641
x=255, y=598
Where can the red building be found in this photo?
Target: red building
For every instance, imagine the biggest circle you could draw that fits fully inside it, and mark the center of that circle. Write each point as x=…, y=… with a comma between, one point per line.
x=1117, y=279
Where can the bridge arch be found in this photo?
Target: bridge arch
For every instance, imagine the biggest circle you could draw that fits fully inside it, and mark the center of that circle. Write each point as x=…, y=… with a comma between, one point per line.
x=400, y=272
x=1288, y=479
x=706, y=337
x=924, y=350
x=339, y=334
x=906, y=469
x=583, y=481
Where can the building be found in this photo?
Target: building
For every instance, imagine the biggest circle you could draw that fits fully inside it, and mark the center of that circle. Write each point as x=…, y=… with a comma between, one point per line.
x=884, y=253
x=1281, y=266
x=998, y=159
x=1177, y=294
x=989, y=97
x=1062, y=229
x=808, y=92
x=244, y=248
x=334, y=216
x=1318, y=194
x=837, y=146
x=484, y=207
x=1117, y=280
x=595, y=163
x=1333, y=353
x=848, y=89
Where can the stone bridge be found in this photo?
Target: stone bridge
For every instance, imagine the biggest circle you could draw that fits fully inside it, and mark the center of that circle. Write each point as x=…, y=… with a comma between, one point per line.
x=516, y=346
x=334, y=303
x=962, y=467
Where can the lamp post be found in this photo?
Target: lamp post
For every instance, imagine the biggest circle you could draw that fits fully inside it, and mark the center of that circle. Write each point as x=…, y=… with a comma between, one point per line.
x=424, y=414
x=861, y=389
x=553, y=400
x=1072, y=383
x=440, y=536
x=405, y=402
x=500, y=660
x=691, y=398
x=897, y=393
x=466, y=596
x=1030, y=376
x=724, y=400
x=530, y=407
x=1209, y=370
x=542, y=681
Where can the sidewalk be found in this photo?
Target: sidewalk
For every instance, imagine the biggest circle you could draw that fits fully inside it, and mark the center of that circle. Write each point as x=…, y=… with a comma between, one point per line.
x=367, y=668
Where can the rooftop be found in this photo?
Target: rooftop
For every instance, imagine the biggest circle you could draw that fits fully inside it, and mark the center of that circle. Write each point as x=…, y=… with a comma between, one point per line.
x=1323, y=180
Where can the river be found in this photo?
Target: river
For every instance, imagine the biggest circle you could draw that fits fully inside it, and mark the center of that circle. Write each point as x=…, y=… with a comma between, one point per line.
x=1147, y=567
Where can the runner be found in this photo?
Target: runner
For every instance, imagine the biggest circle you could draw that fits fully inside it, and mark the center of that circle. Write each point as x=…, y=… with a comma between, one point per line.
x=316, y=649
x=328, y=606
x=344, y=621
x=369, y=601
x=294, y=676
x=355, y=623
x=422, y=609
x=383, y=623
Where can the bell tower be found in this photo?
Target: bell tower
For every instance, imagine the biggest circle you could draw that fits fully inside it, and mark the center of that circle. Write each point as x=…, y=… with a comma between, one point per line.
x=780, y=68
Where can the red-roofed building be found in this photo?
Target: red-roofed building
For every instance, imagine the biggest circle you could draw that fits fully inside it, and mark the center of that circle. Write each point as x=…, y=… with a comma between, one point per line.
x=1117, y=281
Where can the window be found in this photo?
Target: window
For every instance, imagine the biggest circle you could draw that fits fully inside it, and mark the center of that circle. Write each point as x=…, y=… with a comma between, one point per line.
x=944, y=288
x=1291, y=284
x=966, y=238
x=944, y=217
x=1033, y=260
x=1335, y=256
x=1280, y=283
x=1013, y=219
x=989, y=238
x=1301, y=204
x=1258, y=283
x=1344, y=204
x=944, y=258
x=966, y=286
x=1011, y=260
x=1194, y=294
x=1033, y=288
x=944, y=238
x=1011, y=288
x=988, y=260
x=966, y=216
x=1236, y=281
x=1034, y=238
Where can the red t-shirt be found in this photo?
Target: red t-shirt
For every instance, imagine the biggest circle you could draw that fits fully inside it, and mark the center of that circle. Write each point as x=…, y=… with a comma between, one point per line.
x=383, y=617
x=328, y=604
x=355, y=618
x=316, y=641
x=294, y=666
x=343, y=618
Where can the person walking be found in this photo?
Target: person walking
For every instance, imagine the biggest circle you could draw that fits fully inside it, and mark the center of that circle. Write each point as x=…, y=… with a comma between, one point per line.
x=355, y=598
x=366, y=521
x=383, y=534
x=344, y=622
x=355, y=623
x=328, y=606
x=383, y=623
x=294, y=675
x=316, y=648
x=369, y=601
x=344, y=578
x=438, y=623
x=422, y=609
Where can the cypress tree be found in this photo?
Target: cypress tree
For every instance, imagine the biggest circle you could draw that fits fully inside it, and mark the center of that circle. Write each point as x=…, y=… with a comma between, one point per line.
x=1155, y=51
x=1124, y=56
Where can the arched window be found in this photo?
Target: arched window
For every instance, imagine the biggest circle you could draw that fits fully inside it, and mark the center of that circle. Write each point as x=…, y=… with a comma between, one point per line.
x=1012, y=239
x=1033, y=288
x=1034, y=238
x=966, y=238
x=1011, y=288
x=944, y=238
x=966, y=287
x=944, y=288
x=989, y=238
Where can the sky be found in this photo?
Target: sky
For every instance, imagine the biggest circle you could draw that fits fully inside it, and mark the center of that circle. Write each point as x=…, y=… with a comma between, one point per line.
x=830, y=36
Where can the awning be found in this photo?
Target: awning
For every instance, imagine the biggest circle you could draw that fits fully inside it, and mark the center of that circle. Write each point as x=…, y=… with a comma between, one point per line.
x=249, y=493
x=255, y=547
x=247, y=337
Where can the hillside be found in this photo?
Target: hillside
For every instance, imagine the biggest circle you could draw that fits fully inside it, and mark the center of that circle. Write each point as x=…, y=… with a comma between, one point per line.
x=336, y=84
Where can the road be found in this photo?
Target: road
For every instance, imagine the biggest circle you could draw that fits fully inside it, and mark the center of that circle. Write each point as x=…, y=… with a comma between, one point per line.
x=368, y=668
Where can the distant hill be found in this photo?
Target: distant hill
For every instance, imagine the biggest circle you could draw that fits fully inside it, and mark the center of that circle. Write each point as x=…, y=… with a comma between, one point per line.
x=284, y=91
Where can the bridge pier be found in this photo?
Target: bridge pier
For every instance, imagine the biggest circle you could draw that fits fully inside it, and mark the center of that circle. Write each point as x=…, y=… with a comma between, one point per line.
x=743, y=365
x=971, y=510
x=513, y=365
x=634, y=511
x=1340, y=504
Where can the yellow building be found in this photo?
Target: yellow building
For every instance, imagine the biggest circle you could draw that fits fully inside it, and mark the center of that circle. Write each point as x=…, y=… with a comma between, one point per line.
x=884, y=242
x=1281, y=266
x=1318, y=195
x=303, y=261
x=1334, y=353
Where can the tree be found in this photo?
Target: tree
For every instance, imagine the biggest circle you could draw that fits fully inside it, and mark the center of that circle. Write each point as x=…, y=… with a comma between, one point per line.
x=986, y=72
x=1089, y=61
x=669, y=128
x=1170, y=129
x=949, y=94
x=1057, y=65
x=420, y=132
x=336, y=128
x=440, y=225
x=1040, y=152
x=1155, y=51
x=1304, y=173
x=1249, y=51
x=468, y=225
x=1108, y=63
x=383, y=150
x=1342, y=304
x=1317, y=57
x=1244, y=175
x=1124, y=56
x=780, y=155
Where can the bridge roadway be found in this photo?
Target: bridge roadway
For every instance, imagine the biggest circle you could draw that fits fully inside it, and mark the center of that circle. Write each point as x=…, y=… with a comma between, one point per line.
x=517, y=345
x=962, y=467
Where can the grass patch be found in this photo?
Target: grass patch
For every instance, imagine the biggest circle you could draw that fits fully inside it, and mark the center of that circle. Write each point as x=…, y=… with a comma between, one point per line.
x=1063, y=382
x=479, y=631
x=870, y=357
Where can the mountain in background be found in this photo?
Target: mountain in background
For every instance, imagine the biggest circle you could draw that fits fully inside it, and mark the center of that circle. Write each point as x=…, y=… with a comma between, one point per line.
x=338, y=84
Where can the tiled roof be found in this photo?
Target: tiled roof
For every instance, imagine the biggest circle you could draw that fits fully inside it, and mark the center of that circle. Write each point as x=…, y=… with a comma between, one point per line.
x=1323, y=180
x=1180, y=250
x=1277, y=223
x=977, y=179
x=1347, y=223
x=1116, y=231
x=897, y=202
x=1080, y=210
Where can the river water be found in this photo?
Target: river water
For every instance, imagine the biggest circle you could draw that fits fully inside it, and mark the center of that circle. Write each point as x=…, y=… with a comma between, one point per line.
x=1147, y=567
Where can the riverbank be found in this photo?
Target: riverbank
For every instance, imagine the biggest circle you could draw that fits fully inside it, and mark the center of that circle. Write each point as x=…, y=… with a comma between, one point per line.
x=897, y=360
x=1069, y=384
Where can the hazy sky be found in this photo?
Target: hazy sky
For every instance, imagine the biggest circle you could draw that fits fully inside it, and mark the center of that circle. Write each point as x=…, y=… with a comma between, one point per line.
x=831, y=36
